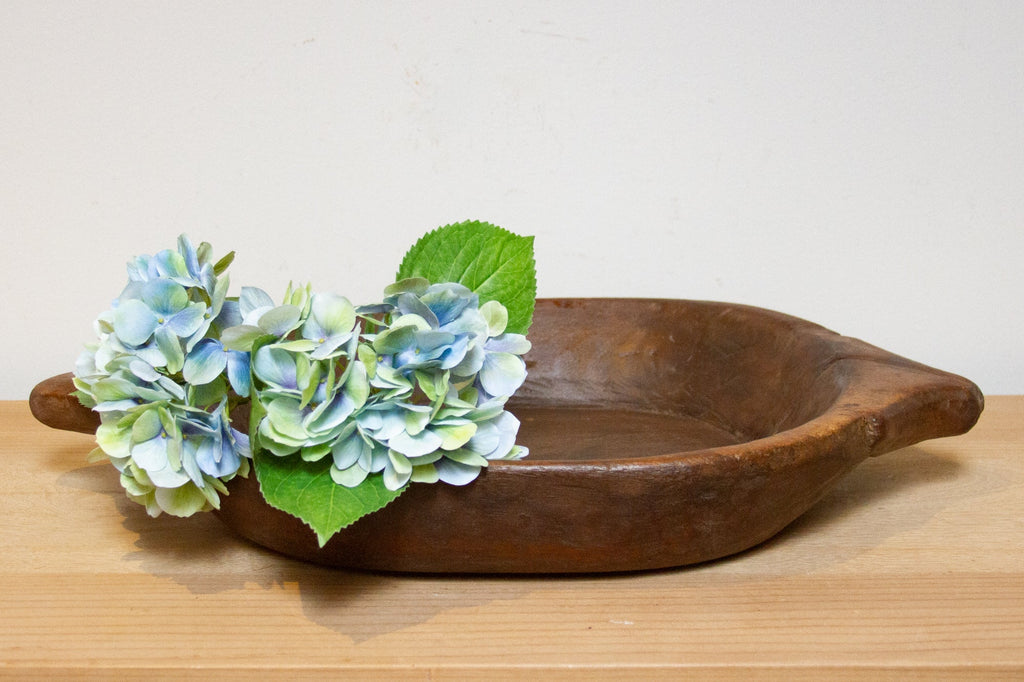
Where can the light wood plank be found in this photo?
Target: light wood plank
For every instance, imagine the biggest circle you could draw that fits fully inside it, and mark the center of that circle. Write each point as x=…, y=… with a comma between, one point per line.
x=913, y=566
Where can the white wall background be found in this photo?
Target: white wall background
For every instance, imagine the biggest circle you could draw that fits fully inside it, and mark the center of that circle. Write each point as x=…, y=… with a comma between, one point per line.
x=859, y=164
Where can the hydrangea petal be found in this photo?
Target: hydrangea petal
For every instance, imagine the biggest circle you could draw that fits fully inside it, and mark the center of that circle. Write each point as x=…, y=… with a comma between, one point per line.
x=241, y=337
x=164, y=297
x=414, y=446
x=275, y=367
x=183, y=500
x=466, y=457
x=229, y=315
x=508, y=427
x=146, y=427
x=114, y=440
x=456, y=435
x=205, y=363
x=333, y=314
x=143, y=370
x=170, y=347
x=424, y=473
x=188, y=321
x=134, y=322
x=399, y=462
x=151, y=454
x=215, y=459
x=253, y=298
x=167, y=477
x=454, y=473
x=350, y=477
x=286, y=418
x=238, y=373
x=471, y=363
x=410, y=304
x=502, y=373
x=347, y=450
x=496, y=316
x=394, y=479
x=509, y=343
x=448, y=300
x=280, y=320
x=485, y=440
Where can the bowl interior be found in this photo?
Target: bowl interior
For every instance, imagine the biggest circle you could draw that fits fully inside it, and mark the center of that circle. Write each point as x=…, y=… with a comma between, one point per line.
x=620, y=378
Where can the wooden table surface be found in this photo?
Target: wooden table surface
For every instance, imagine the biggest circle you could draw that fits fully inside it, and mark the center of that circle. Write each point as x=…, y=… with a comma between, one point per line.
x=912, y=566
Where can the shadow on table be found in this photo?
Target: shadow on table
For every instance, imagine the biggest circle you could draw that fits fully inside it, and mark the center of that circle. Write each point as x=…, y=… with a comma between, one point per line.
x=205, y=557
x=879, y=497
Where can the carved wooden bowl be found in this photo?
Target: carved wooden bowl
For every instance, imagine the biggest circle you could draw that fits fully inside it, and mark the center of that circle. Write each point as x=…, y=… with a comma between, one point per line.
x=661, y=433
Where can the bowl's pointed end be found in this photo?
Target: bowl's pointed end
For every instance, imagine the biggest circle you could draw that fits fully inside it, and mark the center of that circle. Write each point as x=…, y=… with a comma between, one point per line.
x=53, y=403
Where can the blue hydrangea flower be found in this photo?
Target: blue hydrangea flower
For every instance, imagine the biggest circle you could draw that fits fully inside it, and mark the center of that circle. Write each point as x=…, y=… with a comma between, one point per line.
x=156, y=346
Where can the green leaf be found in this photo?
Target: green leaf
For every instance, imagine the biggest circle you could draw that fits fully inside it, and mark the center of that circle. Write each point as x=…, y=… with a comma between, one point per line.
x=493, y=262
x=223, y=263
x=306, y=490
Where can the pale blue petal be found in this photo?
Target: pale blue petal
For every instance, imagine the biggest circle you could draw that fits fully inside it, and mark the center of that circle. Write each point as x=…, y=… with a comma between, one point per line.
x=421, y=444
x=410, y=304
x=337, y=411
x=454, y=354
x=167, y=477
x=151, y=454
x=330, y=344
x=164, y=297
x=485, y=440
x=217, y=460
x=280, y=320
x=253, y=298
x=205, y=363
x=471, y=363
x=241, y=442
x=502, y=373
x=144, y=370
x=171, y=387
x=508, y=428
x=454, y=473
x=448, y=301
x=238, y=373
x=188, y=321
x=241, y=337
x=394, y=479
x=347, y=451
x=276, y=367
x=378, y=460
x=151, y=354
x=189, y=454
x=516, y=344
x=332, y=313
x=229, y=315
x=350, y=477
x=188, y=252
x=134, y=322
x=393, y=423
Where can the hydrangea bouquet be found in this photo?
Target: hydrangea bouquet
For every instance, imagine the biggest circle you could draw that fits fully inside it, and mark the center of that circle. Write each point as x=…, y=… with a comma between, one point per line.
x=347, y=405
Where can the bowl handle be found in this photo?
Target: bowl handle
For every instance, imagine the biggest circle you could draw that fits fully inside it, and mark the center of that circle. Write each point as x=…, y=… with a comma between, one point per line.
x=53, y=404
x=907, y=402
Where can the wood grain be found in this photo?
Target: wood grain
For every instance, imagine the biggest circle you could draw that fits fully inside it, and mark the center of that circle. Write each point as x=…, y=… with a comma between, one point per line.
x=912, y=566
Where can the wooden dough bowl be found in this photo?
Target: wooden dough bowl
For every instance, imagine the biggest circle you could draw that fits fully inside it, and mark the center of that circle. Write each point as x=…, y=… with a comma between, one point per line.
x=661, y=433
